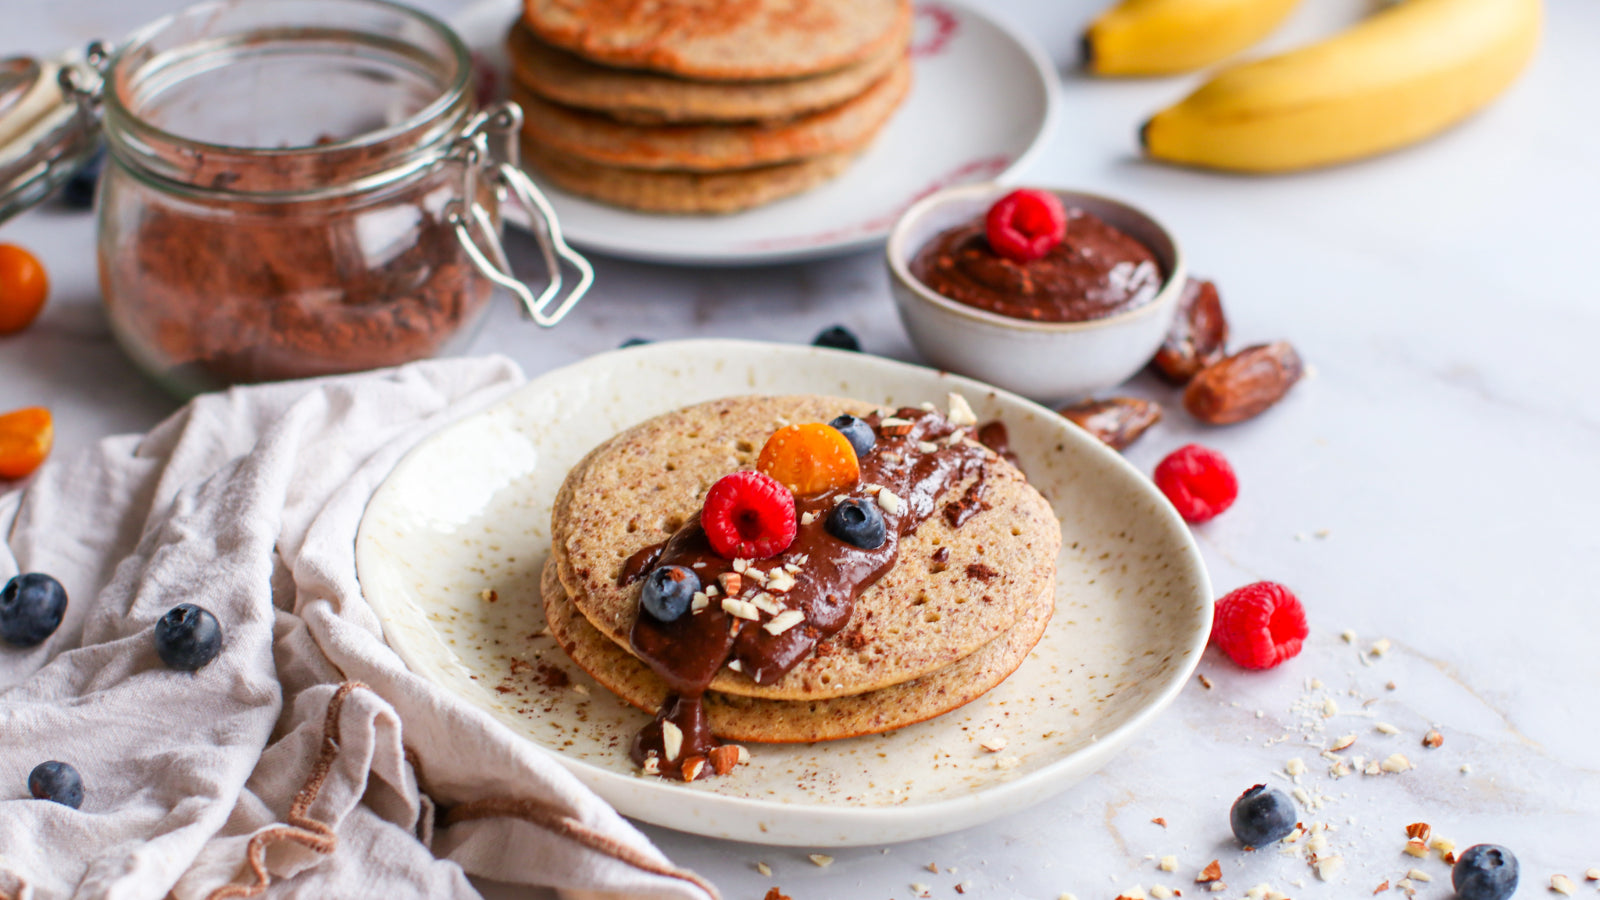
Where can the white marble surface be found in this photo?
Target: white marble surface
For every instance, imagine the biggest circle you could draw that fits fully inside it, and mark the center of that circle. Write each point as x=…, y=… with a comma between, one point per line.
x=1434, y=484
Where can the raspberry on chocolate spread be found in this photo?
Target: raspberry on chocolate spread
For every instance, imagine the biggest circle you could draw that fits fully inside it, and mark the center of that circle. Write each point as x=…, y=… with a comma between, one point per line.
x=1097, y=270
x=689, y=651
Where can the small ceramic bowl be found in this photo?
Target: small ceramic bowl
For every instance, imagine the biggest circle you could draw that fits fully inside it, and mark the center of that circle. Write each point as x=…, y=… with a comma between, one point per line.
x=1049, y=361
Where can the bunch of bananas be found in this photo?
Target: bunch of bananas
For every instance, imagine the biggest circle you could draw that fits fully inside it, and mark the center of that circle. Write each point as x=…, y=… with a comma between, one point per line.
x=1403, y=74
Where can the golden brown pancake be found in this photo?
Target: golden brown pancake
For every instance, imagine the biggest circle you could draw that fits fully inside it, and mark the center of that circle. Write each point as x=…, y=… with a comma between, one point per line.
x=799, y=721
x=642, y=97
x=683, y=193
x=714, y=147
x=721, y=39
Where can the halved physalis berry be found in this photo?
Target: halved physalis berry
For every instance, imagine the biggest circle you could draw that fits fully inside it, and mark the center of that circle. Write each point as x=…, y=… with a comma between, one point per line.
x=1025, y=225
x=810, y=458
x=748, y=515
x=26, y=436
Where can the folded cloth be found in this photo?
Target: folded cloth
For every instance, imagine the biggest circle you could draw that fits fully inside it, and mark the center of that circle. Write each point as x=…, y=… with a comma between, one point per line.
x=306, y=760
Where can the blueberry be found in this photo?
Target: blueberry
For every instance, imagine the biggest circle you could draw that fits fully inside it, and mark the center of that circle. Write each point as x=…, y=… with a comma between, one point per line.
x=838, y=337
x=857, y=522
x=1485, y=872
x=858, y=432
x=667, y=592
x=633, y=342
x=1262, y=815
x=78, y=192
x=31, y=607
x=56, y=781
x=188, y=637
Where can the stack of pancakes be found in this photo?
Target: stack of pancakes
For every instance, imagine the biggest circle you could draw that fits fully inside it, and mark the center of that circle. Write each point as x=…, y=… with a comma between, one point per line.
x=959, y=611
x=704, y=106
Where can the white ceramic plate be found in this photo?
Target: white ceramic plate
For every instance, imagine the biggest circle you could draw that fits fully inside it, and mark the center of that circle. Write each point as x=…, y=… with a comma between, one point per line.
x=982, y=102
x=468, y=511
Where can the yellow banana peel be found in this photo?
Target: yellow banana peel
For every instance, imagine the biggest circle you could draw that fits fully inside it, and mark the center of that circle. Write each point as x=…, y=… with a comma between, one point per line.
x=1165, y=37
x=1403, y=74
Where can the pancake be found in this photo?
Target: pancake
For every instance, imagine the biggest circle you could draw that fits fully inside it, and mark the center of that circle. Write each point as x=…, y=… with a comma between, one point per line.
x=845, y=128
x=736, y=40
x=779, y=721
x=683, y=193
x=951, y=591
x=642, y=97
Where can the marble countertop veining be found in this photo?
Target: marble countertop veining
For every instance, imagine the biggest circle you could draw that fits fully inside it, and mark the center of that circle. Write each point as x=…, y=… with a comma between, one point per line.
x=1434, y=484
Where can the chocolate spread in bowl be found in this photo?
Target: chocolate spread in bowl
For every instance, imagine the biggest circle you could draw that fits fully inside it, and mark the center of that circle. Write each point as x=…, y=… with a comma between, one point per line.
x=1097, y=270
x=689, y=652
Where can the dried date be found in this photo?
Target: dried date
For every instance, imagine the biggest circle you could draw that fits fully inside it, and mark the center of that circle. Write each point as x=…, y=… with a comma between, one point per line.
x=1243, y=385
x=1198, y=336
x=1116, y=421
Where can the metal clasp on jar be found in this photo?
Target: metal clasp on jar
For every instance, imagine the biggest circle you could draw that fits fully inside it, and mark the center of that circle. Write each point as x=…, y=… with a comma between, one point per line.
x=471, y=149
x=52, y=126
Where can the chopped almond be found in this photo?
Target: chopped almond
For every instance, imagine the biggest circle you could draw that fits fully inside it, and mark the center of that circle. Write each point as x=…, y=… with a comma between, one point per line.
x=724, y=758
x=692, y=767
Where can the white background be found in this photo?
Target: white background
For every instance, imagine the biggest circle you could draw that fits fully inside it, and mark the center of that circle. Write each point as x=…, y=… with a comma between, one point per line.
x=1435, y=483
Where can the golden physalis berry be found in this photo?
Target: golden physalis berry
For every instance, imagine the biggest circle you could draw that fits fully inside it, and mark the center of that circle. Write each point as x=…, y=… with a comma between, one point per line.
x=809, y=458
x=23, y=288
x=25, y=439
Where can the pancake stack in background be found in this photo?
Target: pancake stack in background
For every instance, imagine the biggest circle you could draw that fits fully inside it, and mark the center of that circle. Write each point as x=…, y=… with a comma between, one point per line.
x=704, y=106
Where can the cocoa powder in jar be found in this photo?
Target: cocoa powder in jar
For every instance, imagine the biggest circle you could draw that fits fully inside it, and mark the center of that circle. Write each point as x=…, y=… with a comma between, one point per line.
x=228, y=291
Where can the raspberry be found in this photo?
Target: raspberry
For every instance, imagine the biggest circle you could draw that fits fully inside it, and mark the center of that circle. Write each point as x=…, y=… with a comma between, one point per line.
x=748, y=515
x=810, y=458
x=1259, y=625
x=1025, y=225
x=1198, y=481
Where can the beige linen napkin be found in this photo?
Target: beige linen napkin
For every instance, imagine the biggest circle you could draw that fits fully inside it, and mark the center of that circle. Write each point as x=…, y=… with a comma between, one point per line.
x=306, y=760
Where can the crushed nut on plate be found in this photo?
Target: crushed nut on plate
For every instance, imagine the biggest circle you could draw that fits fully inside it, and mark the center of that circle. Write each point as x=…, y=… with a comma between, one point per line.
x=1396, y=763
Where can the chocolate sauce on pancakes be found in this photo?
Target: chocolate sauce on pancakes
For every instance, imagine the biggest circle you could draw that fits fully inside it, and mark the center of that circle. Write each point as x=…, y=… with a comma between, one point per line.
x=913, y=462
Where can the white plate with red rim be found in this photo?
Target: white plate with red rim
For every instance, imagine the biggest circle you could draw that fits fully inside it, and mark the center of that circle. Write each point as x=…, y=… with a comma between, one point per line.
x=983, y=100
x=467, y=513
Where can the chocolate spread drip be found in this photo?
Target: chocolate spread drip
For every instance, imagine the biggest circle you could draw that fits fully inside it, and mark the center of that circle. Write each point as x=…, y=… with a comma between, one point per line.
x=640, y=563
x=994, y=436
x=688, y=653
x=957, y=512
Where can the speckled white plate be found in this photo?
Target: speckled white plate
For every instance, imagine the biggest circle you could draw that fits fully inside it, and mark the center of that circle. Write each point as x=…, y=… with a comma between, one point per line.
x=468, y=512
x=983, y=100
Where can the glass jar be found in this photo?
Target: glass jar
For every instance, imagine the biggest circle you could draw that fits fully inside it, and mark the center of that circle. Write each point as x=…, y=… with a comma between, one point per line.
x=301, y=187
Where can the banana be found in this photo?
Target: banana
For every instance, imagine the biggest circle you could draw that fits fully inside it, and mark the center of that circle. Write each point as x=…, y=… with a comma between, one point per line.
x=1401, y=75
x=1165, y=37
